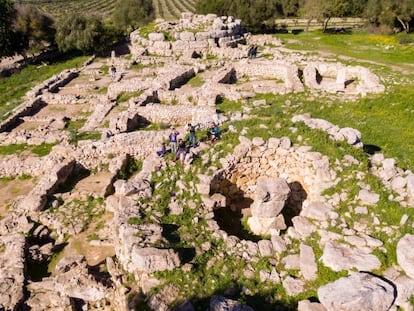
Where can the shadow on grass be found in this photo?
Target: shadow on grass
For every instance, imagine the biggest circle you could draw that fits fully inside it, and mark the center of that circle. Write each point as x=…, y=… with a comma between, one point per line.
x=371, y=149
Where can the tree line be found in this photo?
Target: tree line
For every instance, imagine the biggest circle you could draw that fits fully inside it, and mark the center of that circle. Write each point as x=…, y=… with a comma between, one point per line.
x=258, y=15
x=25, y=29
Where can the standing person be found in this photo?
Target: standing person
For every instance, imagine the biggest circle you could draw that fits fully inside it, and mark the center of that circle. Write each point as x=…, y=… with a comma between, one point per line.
x=254, y=51
x=250, y=52
x=210, y=129
x=181, y=151
x=113, y=72
x=173, y=140
x=192, y=137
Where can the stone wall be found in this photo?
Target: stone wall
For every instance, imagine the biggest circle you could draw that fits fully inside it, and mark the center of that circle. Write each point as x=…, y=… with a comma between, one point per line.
x=217, y=31
x=336, y=77
x=288, y=73
x=177, y=114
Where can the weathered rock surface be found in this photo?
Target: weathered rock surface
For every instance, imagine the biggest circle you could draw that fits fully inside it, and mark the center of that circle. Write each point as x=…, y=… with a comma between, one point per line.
x=12, y=267
x=342, y=257
x=405, y=255
x=359, y=291
x=219, y=303
x=72, y=280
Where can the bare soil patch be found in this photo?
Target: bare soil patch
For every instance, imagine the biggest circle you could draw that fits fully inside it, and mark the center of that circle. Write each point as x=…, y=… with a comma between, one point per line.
x=10, y=190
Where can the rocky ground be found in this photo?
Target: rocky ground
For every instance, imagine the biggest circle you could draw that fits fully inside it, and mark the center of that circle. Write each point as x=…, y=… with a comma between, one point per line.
x=101, y=223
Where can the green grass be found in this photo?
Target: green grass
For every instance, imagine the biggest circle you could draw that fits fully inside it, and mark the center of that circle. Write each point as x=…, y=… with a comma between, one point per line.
x=147, y=29
x=43, y=149
x=196, y=81
x=76, y=136
x=125, y=96
x=39, y=150
x=385, y=121
x=14, y=87
x=385, y=49
x=74, y=125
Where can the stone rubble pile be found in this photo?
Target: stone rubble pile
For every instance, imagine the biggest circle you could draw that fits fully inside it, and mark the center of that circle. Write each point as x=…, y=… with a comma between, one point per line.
x=313, y=217
x=276, y=70
x=71, y=281
x=280, y=187
x=217, y=31
x=37, y=199
x=394, y=178
x=135, y=244
x=350, y=135
x=12, y=270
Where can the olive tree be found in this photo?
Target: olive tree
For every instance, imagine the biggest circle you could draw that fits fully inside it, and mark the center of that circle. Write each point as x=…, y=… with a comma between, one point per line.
x=131, y=14
x=34, y=26
x=78, y=32
x=6, y=33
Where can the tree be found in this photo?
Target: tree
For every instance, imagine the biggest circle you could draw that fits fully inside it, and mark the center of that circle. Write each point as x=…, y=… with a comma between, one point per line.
x=219, y=7
x=6, y=33
x=335, y=8
x=34, y=26
x=131, y=14
x=289, y=7
x=78, y=32
x=311, y=9
x=404, y=13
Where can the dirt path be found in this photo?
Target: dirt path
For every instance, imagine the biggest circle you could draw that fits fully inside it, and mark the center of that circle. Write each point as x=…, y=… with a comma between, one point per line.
x=11, y=189
x=404, y=68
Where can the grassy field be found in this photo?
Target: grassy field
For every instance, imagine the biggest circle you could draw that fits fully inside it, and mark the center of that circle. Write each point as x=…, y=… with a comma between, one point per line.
x=385, y=121
x=13, y=88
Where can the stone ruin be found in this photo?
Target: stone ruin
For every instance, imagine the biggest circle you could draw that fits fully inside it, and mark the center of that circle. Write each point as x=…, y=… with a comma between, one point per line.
x=279, y=186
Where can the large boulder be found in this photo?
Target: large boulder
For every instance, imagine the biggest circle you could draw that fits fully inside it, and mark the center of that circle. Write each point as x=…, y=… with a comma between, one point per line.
x=359, y=291
x=150, y=259
x=270, y=197
x=342, y=257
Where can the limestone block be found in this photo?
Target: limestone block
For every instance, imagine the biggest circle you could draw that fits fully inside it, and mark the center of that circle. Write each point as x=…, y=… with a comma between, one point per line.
x=187, y=36
x=306, y=305
x=307, y=262
x=219, y=303
x=279, y=245
x=293, y=286
x=202, y=36
x=266, y=225
x=368, y=197
x=270, y=197
x=317, y=210
x=359, y=291
x=303, y=226
x=265, y=248
x=342, y=257
x=156, y=36
x=152, y=259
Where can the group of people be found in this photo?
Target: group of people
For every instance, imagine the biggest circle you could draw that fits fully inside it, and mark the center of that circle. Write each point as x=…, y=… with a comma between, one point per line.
x=179, y=146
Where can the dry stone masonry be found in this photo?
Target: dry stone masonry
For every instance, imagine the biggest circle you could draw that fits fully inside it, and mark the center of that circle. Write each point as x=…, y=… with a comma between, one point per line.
x=185, y=69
